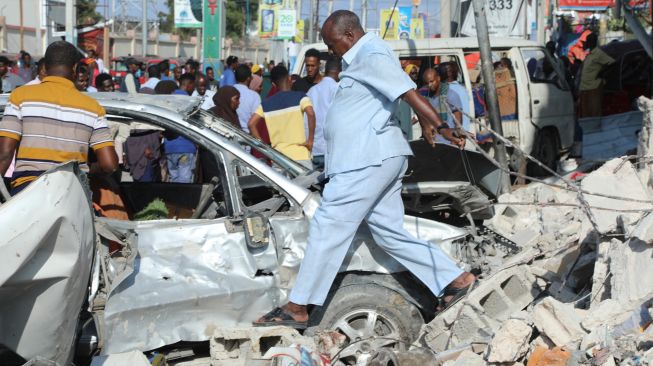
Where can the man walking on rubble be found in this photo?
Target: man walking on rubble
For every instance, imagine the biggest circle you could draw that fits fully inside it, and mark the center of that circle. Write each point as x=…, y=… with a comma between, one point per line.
x=366, y=160
x=52, y=123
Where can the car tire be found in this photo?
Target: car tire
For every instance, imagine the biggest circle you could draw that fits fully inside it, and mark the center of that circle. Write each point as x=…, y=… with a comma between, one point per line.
x=546, y=151
x=364, y=310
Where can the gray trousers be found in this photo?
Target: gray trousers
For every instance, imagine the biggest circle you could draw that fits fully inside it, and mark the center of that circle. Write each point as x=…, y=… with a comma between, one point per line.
x=372, y=194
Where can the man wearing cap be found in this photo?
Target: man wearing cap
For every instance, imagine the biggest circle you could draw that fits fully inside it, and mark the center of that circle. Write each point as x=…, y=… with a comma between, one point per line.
x=130, y=82
x=228, y=77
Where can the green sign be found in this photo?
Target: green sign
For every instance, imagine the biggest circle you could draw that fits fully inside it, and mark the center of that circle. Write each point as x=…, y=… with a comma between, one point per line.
x=212, y=27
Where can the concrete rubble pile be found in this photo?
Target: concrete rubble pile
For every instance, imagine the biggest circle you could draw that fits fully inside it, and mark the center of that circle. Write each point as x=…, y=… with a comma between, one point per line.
x=580, y=292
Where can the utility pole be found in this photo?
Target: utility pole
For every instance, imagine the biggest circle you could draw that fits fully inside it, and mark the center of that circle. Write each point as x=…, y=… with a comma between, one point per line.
x=351, y=5
x=445, y=18
x=70, y=21
x=144, y=28
x=330, y=6
x=39, y=35
x=105, y=46
x=22, y=28
x=316, y=21
x=541, y=27
x=363, y=14
x=491, y=90
x=113, y=15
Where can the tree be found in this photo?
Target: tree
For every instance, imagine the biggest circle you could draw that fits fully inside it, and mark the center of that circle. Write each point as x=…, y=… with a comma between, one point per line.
x=87, y=12
x=236, y=17
x=167, y=23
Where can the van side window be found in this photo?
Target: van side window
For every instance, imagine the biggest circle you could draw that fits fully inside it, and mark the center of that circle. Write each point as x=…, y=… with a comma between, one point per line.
x=540, y=67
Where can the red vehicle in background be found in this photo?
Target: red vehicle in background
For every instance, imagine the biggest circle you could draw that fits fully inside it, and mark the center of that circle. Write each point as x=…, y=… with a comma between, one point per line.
x=174, y=62
x=119, y=68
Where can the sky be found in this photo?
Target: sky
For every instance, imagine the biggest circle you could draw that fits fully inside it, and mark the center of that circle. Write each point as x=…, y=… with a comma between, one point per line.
x=431, y=7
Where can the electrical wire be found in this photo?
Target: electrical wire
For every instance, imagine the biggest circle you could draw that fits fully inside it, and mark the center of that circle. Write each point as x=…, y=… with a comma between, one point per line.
x=390, y=19
x=570, y=186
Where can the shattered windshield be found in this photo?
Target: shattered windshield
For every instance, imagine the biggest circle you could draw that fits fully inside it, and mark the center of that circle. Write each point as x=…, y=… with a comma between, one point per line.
x=278, y=160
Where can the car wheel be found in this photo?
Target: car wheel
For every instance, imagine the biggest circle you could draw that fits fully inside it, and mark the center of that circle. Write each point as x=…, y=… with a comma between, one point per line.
x=370, y=317
x=546, y=151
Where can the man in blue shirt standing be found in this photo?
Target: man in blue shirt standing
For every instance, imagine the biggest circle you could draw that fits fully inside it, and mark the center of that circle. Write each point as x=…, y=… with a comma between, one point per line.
x=228, y=77
x=366, y=159
x=321, y=95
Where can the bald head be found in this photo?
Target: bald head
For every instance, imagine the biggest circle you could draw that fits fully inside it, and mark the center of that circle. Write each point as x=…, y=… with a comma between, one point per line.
x=344, y=20
x=341, y=31
x=432, y=80
x=429, y=73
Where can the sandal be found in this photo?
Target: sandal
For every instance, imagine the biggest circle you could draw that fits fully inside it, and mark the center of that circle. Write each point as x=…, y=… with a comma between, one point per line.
x=278, y=317
x=457, y=293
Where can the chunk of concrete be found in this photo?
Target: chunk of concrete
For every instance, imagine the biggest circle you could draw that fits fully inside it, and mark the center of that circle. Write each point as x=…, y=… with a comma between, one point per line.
x=611, y=179
x=519, y=222
x=606, y=312
x=558, y=321
x=134, y=358
x=487, y=306
x=510, y=343
x=629, y=266
x=469, y=358
x=248, y=345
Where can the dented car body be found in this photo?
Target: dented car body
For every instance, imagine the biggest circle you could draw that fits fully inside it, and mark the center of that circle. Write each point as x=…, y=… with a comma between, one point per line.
x=231, y=247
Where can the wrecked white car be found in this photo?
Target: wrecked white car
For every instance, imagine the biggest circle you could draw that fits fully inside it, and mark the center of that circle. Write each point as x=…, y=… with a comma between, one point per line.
x=227, y=252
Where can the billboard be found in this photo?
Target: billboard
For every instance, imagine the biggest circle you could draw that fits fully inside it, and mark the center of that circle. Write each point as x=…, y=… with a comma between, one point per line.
x=405, y=15
x=505, y=18
x=299, y=34
x=286, y=24
x=389, y=27
x=267, y=19
x=417, y=28
x=188, y=13
x=275, y=22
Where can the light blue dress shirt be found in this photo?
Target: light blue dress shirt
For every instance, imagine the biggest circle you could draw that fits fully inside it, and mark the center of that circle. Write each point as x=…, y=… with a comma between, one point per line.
x=360, y=130
x=321, y=95
x=249, y=102
x=464, y=100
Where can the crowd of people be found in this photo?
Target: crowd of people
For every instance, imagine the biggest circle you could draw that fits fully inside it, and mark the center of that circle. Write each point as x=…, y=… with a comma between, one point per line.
x=288, y=113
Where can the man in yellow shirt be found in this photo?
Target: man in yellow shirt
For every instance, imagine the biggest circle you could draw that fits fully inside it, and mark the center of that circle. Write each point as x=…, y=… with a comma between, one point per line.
x=591, y=84
x=284, y=119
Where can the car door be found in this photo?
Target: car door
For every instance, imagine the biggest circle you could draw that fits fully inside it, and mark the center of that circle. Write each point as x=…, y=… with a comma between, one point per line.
x=551, y=101
x=190, y=275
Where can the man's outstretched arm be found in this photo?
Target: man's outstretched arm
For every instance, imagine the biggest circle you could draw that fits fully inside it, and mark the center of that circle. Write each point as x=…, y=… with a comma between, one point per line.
x=429, y=118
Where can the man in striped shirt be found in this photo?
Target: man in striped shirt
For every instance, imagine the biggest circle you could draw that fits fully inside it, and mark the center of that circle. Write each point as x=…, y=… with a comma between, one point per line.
x=52, y=123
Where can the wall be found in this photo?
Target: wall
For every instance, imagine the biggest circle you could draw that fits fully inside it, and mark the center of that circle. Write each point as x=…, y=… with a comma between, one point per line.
x=167, y=48
x=11, y=10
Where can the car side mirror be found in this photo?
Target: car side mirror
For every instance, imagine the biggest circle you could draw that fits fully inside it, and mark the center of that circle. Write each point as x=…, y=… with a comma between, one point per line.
x=257, y=233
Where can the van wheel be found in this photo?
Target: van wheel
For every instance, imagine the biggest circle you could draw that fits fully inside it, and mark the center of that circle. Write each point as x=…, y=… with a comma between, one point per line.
x=370, y=317
x=546, y=151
